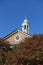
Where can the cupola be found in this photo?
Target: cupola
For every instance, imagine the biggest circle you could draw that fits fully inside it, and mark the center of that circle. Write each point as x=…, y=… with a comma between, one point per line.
x=26, y=26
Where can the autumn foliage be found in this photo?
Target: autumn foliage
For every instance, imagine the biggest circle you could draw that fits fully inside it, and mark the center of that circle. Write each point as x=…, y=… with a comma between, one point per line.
x=28, y=52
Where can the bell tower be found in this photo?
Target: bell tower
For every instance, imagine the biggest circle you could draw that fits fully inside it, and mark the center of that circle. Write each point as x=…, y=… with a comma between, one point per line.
x=26, y=26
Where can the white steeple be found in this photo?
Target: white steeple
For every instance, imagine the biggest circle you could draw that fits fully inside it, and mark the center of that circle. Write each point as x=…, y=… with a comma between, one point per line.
x=26, y=26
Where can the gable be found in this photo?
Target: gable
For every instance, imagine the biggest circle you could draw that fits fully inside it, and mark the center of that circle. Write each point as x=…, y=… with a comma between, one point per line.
x=16, y=37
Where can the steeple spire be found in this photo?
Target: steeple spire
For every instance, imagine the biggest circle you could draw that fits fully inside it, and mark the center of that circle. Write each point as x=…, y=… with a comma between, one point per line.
x=25, y=26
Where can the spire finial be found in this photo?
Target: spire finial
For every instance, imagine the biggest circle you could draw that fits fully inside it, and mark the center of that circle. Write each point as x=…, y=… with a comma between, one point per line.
x=25, y=17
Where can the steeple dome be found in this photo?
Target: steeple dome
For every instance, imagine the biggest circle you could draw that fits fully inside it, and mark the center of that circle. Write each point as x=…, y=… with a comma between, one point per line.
x=25, y=21
x=25, y=26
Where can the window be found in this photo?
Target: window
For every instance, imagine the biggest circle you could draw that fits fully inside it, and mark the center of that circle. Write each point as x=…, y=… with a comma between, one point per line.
x=24, y=26
x=27, y=26
x=17, y=37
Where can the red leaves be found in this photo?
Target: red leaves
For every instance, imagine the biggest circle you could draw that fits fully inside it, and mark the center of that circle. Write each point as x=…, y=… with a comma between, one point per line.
x=29, y=51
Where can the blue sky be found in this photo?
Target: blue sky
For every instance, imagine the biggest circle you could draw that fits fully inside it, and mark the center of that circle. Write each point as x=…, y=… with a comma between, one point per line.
x=13, y=12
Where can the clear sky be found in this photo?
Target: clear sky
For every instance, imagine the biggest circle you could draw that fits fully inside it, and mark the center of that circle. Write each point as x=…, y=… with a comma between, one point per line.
x=13, y=12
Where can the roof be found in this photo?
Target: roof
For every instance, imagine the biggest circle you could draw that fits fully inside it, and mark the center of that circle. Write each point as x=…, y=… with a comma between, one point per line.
x=12, y=33
x=25, y=22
